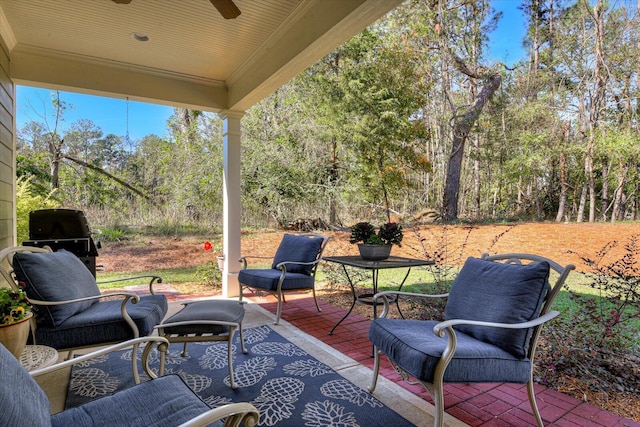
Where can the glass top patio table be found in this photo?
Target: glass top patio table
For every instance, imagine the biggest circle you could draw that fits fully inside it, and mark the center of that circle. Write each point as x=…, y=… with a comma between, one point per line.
x=375, y=267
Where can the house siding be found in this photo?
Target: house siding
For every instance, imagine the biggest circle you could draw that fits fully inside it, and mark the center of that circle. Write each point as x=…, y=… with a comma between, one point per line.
x=7, y=152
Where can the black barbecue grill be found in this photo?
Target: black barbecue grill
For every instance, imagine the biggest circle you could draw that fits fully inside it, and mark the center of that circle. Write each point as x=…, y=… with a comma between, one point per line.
x=64, y=229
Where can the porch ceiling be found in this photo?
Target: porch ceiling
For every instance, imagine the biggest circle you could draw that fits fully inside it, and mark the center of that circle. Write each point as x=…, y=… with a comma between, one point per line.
x=194, y=58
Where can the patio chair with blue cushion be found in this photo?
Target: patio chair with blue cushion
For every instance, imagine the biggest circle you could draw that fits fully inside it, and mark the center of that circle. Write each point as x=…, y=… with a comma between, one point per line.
x=494, y=315
x=70, y=312
x=164, y=401
x=293, y=269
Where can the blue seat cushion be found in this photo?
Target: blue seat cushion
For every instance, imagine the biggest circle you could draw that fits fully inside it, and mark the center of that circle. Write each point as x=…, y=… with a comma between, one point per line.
x=103, y=322
x=23, y=401
x=503, y=293
x=214, y=310
x=298, y=249
x=55, y=276
x=267, y=279
x=412, y=345
x=165, y=401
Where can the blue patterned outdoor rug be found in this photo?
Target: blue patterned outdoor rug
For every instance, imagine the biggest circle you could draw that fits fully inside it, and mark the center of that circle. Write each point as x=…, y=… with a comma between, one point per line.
x=287, y=385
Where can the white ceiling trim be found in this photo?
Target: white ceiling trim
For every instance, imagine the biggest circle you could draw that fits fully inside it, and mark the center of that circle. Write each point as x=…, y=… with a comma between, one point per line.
x=100, y=62
x=270, y=41
x=117, y=82
x=274, y=65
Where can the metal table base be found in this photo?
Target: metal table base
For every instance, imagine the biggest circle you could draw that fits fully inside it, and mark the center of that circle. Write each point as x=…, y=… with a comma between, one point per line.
x=375, y=267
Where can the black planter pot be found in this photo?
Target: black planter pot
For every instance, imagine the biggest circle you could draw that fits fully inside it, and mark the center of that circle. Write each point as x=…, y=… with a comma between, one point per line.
x=374, y=252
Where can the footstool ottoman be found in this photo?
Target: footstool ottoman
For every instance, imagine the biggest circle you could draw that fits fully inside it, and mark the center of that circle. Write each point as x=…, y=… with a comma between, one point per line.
x=204, y=321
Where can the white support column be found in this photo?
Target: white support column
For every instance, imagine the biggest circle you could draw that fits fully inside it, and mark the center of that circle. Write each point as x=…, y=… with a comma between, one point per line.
x=232, y=206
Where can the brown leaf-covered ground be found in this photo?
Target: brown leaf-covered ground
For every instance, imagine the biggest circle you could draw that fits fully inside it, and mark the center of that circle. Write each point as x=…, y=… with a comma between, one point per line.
x=564, y=243
x=555, y=241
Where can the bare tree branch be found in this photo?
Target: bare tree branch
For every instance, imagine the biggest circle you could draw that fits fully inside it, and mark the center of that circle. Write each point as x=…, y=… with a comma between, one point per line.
x=104, y=172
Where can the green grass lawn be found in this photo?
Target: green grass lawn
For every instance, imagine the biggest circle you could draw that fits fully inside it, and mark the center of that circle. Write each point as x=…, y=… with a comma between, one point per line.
x=170, y=275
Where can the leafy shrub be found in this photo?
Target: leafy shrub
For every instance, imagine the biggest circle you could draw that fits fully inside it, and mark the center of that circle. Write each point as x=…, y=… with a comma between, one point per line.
x=27, y=200
x=209, y=274
x=435, y=243
x=113, y=234
x=617, y=282
x=597, y=339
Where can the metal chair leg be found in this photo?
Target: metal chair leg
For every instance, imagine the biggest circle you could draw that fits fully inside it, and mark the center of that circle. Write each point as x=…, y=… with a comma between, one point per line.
x=232, y=332
x=315, y=299
x=244, y=349
x=376, y=369
x=534, y=405
x=279, y=296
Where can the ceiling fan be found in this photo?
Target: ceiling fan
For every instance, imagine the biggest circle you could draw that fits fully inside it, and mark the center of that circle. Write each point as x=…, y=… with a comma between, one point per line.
x=227, y=8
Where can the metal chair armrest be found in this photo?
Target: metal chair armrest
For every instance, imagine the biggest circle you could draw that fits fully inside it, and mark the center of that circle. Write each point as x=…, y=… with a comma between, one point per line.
x=448, y=324
x=385, y=301
x=127, y=296
x=284, y=263
x=153, y=279
x=162, y=344
x=243, y=259
x=236, y=413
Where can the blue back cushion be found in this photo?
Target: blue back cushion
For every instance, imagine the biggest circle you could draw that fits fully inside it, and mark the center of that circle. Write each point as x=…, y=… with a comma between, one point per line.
x=23, y=401
x=502, y=293
x=298, y=249
x=55, y=276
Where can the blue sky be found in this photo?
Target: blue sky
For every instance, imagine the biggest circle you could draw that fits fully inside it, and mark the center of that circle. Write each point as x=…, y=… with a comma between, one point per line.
x=506, y=41
x=110, y=114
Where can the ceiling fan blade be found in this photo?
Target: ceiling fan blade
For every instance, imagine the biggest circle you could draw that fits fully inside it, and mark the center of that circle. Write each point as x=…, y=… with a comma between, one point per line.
x=227, y=8
x=122, y=1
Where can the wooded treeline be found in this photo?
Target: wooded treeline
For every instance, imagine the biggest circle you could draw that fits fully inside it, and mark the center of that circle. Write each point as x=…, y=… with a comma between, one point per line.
x=409, y=116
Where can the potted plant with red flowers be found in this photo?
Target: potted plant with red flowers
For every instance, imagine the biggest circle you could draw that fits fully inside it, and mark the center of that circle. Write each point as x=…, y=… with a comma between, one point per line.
x=211, y=272
x=376, y=245
x=217, y=248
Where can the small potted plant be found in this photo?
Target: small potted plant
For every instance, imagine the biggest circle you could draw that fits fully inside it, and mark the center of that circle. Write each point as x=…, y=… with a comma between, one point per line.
x=15, y=312
x=211, y=272
x=376, y=245
x=218, y=250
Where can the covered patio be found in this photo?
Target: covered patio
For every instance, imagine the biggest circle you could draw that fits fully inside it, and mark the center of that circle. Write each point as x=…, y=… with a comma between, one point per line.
x=186, y=54
x=348, y=352
x=466, y=404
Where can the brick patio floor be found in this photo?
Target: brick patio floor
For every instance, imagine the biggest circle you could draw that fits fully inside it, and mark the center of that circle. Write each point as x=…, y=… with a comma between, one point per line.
x=476, y=405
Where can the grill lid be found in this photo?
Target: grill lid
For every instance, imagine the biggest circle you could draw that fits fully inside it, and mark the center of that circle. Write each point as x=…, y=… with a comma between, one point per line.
x=58, y=224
